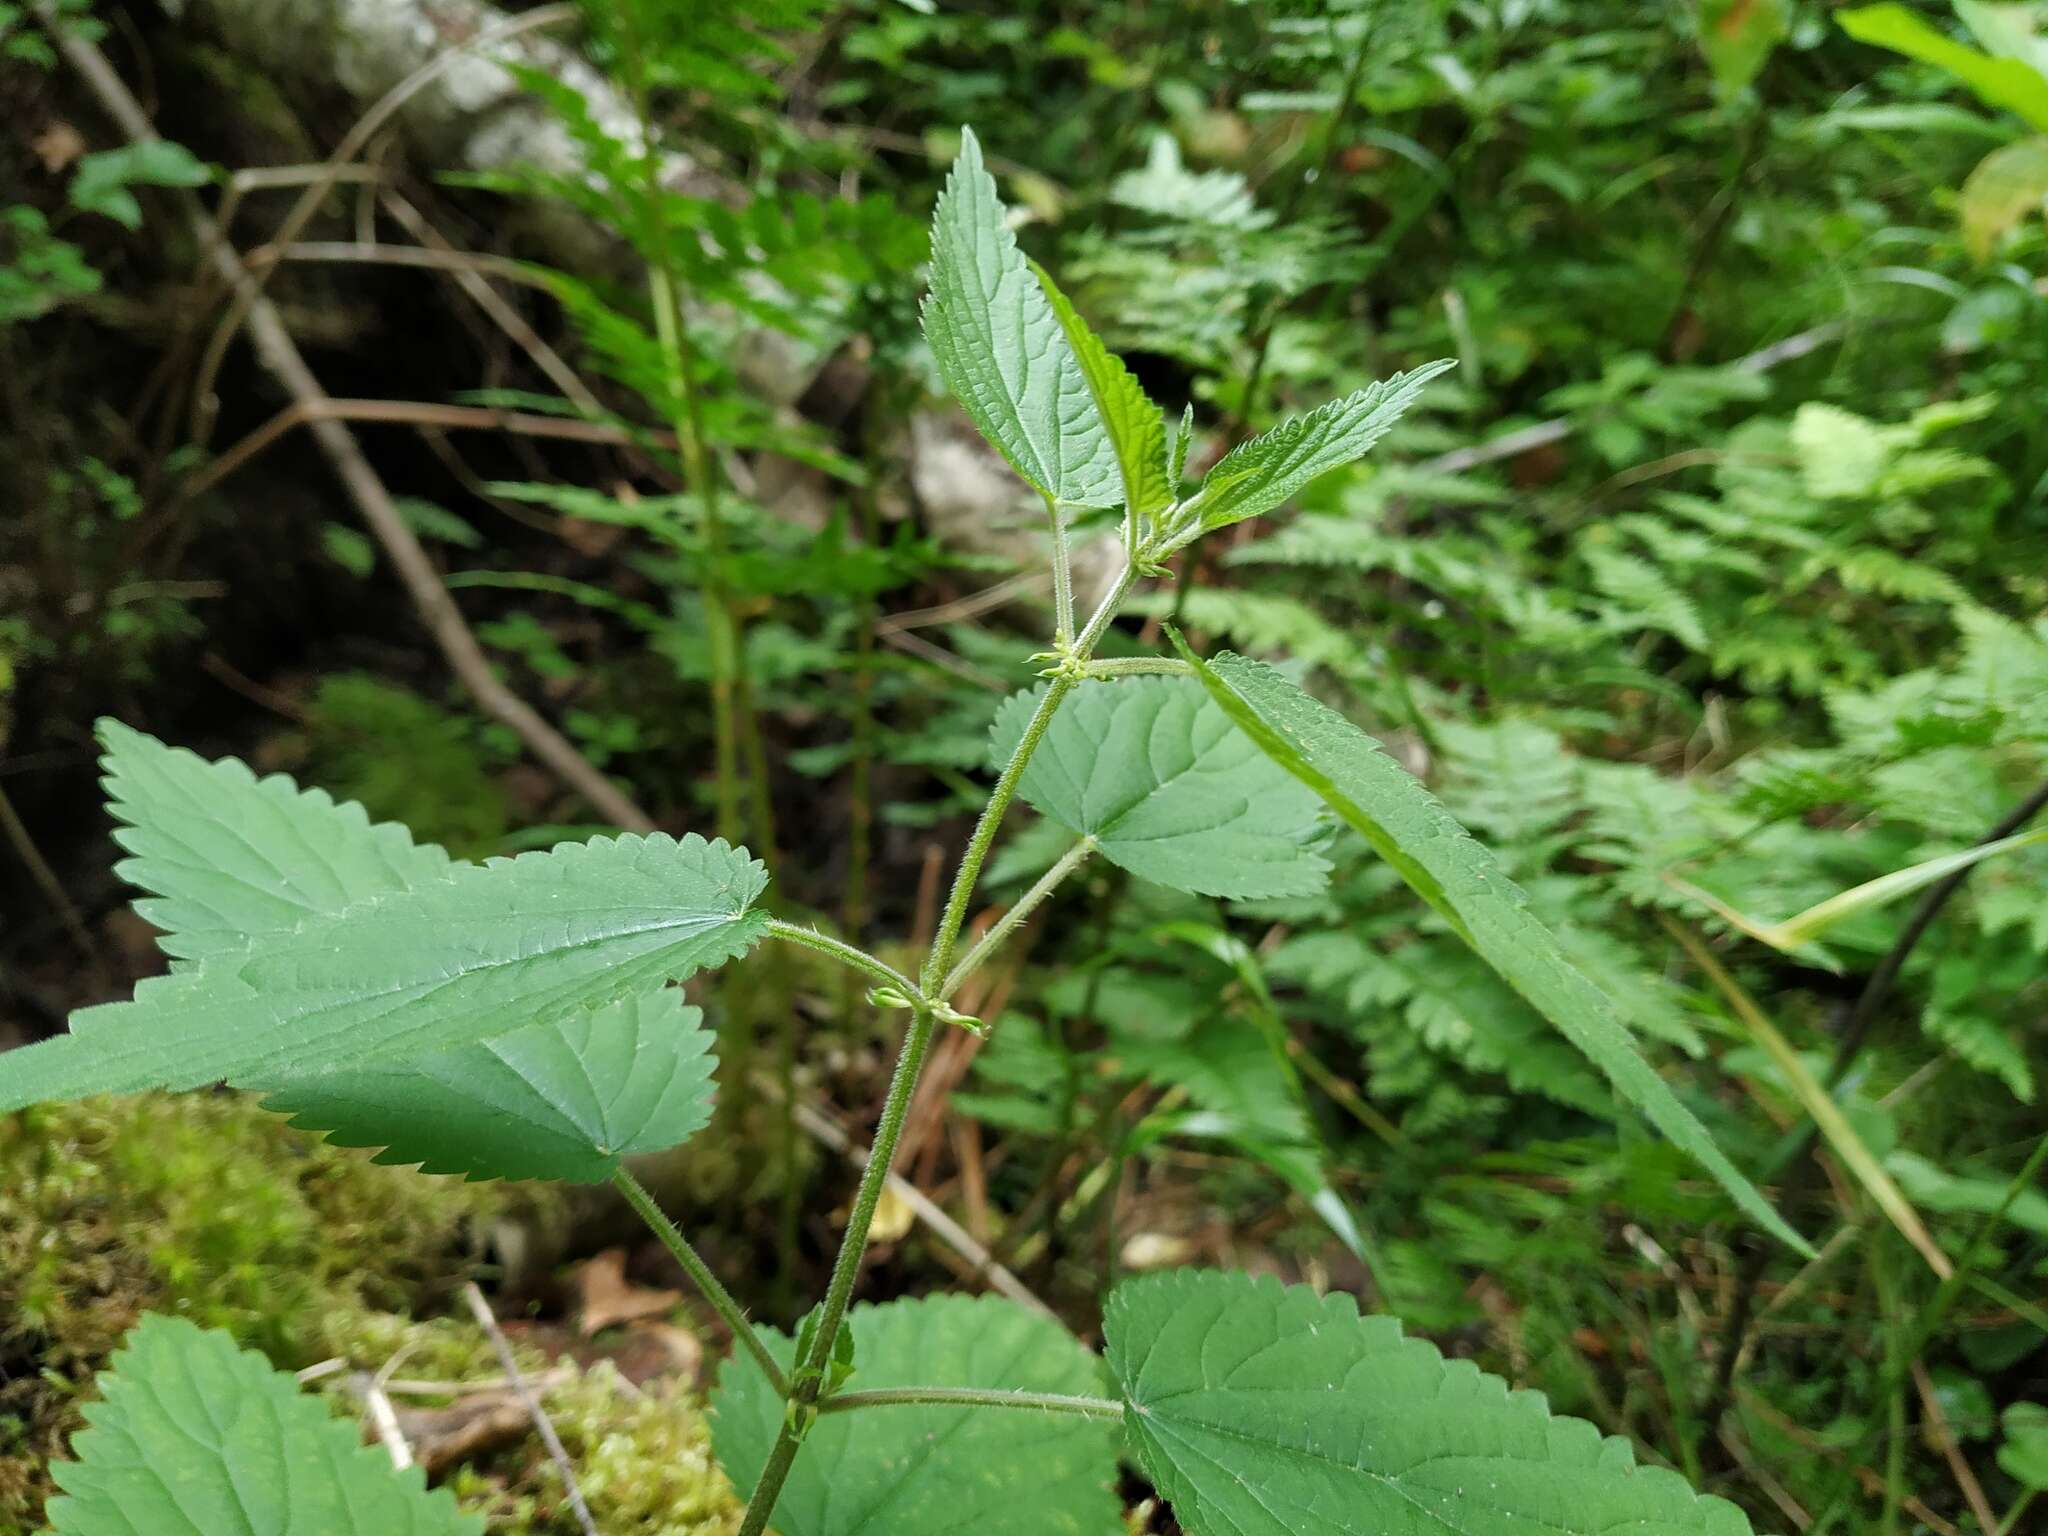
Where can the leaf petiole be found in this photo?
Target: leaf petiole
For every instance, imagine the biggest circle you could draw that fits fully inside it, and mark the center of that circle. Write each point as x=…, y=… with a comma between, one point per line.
x=973, y=1397
x=707, y=1283
x=850, y=955
x=1007, y=924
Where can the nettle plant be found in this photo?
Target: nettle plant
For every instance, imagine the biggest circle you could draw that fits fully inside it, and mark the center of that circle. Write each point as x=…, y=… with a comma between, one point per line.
x=519, y=1018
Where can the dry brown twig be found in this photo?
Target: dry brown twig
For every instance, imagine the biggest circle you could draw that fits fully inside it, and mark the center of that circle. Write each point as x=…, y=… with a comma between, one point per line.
x=545, y=1426
x=1945, y=1441
x=280, y=356
x=247, y=289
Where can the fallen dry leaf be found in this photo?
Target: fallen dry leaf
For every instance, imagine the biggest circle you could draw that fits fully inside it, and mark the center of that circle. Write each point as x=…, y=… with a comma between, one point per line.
x=893, y=1218
x=468, y=1428
x=58, y=145
x=610, y=1299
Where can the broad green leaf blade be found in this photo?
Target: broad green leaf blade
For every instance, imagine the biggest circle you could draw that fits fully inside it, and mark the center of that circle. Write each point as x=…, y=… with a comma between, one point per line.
x=236, y=860
x=2024, y=1455
x=1409, y=828
x=2008, y=28
x=1169, y=789
x=102, y=180
x=925, y=1470
x=1137, y=431
x=1002, y=352
x=193, y=1436
x=1265, y=1410
x=2007, y=185
x=229, y=857
x=2008, y=84
x=1258, y=475
x=494, y=948
x=555, y=1101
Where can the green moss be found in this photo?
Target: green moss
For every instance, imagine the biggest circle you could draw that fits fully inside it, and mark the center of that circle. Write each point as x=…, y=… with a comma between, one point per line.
x=643, y=1463
x=204, y=1206
x=642, y=1454
x=407, y=760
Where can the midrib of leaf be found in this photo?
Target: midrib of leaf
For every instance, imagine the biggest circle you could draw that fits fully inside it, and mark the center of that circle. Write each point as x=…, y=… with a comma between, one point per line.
x=1386, y=1481
x=930, y=1448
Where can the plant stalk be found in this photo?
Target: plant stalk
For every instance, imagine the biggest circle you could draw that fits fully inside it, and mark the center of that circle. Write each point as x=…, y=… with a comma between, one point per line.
x=845, y=1270
x=803, y=1394
x=846, y=954
x=955, y=915
x=973, y=1397
x=1007, y=924
x=707, y=1283
x=1062, y=578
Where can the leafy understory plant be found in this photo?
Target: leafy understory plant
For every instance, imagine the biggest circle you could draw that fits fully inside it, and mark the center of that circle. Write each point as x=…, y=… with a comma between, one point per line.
x=520, y=1018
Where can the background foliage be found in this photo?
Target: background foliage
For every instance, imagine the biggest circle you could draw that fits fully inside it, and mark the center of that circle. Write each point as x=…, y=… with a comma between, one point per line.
x=1709, y=585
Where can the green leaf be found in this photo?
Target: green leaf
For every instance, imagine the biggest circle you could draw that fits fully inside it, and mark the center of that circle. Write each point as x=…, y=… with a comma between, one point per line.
x=492, y=949
x=1265, y=1410
x=1258, y=475
x=2007, y=28
x=2006, y=83
x=1738, y=37
x=1955, y=1193
x=1409, y=828
x=2007, y=185
x=1801, y=929
x=1137, y=431
x=565, y=1100
x=102, y=180
x=2024, y=1456
x=928, y=1470
x=1842, y=456
x=230, y=857
x=195, y=1437
x=234, y=859
x=1168, y=788
x=1003, y=353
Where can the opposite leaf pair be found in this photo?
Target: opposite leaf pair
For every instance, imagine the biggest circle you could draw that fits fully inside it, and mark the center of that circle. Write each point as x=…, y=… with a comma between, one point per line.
x=1256, y=1409
x=1069, y=417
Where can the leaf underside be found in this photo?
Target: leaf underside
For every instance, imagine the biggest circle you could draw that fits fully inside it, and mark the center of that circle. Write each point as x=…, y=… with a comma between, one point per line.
x=193, y=1436
x=229, y=857
x=234, y=861
x=1263, y=472
x=489, y=950
x=1169, y=789
x=1002, y=351
x=934, y=1470
x=1137, y=432
x=1265, y=1410
x=1442, y=863
x=555, y=1101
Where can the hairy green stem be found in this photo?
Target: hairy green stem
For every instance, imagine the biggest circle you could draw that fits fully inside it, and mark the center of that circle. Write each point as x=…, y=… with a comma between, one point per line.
x=845, y=1270
x=850, y=955
x=1140, y=666
x=984, y=834
x=809, y=1377
x=700, y=1275
x=1062, y=578
x=700, y=466
x=1007, y=924
x=973, y=1397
